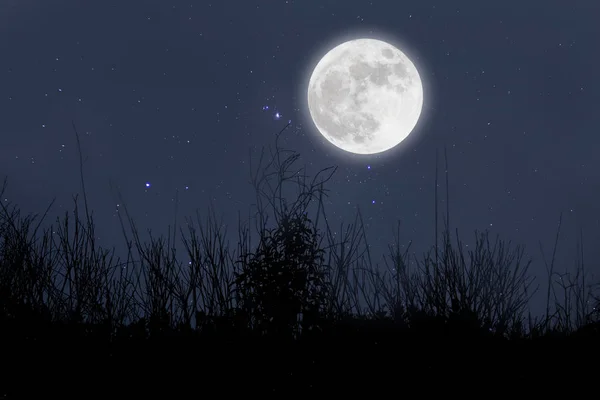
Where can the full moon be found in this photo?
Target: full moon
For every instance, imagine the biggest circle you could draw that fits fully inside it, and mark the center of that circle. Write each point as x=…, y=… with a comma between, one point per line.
x=365, y=96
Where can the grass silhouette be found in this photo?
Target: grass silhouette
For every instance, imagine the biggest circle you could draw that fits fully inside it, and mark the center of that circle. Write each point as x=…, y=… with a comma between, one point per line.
x=293, y=308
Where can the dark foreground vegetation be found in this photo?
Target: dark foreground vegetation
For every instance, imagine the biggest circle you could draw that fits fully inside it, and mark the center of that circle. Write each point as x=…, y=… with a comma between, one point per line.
x=296, y=307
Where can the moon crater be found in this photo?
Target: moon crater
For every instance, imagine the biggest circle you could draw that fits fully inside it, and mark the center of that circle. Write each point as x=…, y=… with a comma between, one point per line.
x=365, y=96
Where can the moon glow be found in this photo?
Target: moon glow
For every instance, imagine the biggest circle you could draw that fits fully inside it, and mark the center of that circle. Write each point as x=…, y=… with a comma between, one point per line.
x=365, y=96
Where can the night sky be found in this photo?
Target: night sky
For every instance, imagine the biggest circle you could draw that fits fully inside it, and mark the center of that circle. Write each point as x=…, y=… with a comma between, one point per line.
x=169, y=100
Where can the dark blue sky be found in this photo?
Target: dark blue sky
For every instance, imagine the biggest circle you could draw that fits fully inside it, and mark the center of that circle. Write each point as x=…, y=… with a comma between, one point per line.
x=171, y=93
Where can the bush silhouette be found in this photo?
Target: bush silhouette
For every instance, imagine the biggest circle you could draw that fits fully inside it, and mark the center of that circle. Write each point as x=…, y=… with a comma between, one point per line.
x=282, y=285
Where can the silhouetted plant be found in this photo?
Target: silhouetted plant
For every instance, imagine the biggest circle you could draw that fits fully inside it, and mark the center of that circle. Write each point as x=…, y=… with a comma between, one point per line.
x=283, y=282
x=486, y=289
